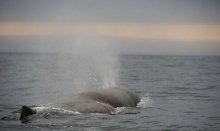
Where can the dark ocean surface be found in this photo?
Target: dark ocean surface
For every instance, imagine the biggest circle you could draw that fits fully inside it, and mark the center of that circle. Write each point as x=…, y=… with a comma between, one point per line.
x=177, y=92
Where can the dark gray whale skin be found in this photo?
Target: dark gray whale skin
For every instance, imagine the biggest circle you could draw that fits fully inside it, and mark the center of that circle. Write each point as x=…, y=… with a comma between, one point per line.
x=96, y=101
x=99, y=101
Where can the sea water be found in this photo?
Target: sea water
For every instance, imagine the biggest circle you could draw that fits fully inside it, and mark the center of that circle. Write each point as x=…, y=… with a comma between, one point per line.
x=177, y=92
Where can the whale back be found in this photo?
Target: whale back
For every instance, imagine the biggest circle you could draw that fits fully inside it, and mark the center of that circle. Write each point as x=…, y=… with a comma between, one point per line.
x=135, y=98
x=100, y=101
x=116, y=97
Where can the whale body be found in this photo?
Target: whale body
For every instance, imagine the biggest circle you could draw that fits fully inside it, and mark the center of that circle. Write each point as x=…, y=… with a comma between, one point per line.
x=97, y=101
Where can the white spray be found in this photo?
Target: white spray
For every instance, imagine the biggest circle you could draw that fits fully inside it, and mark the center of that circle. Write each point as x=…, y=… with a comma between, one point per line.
x=91, y=60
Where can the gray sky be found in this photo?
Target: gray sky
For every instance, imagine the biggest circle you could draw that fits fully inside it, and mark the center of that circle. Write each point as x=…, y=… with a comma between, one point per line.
x=136, y=26
x=181, y=11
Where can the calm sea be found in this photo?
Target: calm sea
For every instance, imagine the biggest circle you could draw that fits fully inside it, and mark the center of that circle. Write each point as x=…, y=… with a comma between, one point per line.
x=178, y=92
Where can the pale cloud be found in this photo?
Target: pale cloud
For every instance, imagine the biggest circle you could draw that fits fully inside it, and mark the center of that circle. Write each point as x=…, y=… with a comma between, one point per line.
x=177, y=32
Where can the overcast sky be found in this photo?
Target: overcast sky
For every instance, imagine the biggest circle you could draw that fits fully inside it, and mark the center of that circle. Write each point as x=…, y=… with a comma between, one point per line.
x=184, y=27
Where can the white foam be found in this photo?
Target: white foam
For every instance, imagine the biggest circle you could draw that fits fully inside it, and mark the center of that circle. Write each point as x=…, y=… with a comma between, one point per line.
x=145, y=101
x=119, y=110
x=52, y=109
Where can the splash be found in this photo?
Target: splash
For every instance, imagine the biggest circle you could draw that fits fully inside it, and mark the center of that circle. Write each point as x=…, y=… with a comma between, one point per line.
x=145, y=101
